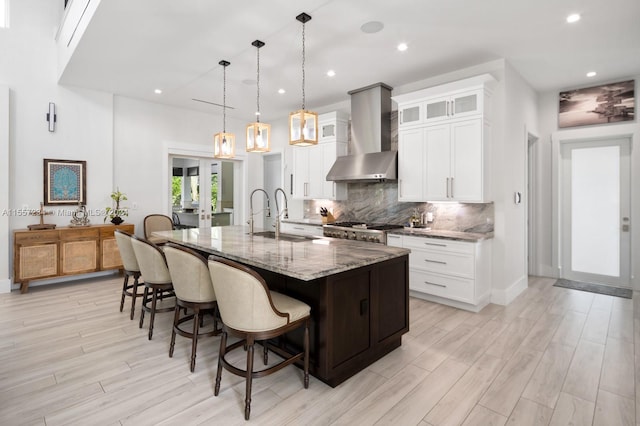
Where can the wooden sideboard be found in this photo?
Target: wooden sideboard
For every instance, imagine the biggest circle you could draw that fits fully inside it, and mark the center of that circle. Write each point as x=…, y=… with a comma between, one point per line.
x=50, y=253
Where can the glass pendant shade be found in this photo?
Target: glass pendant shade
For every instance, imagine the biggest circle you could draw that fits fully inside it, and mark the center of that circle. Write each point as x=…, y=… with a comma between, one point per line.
x=258, y=137
x=303, y=128
x=258, y=134
x=303, y=124
x=224, y=145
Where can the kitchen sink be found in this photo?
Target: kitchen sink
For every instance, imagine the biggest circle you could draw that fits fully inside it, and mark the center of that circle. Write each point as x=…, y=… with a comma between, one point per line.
x=283, y=237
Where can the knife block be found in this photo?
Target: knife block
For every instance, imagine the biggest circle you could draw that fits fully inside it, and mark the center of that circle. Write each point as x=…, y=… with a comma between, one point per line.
x=328, y=218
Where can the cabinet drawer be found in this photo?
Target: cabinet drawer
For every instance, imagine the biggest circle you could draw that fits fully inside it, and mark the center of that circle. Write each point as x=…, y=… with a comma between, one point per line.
x=461, y=265
x=438, y=244
x=443, y=286
x=35, y=237
x=304, y=230
x=107, y=231
x=79, y=234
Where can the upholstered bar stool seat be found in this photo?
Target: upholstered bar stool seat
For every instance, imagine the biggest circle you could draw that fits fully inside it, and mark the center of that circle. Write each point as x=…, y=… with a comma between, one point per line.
x=157, y=279
x=131, y=269
x=253, y=313
x=194, y=291
x=155, y=223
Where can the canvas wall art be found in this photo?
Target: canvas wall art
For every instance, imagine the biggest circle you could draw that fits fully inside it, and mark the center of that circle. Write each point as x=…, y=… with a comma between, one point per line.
x=608, y=103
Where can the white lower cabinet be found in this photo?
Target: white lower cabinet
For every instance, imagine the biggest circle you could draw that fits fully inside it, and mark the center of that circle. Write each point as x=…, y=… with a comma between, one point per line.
x=301, y=229
x=456, y=273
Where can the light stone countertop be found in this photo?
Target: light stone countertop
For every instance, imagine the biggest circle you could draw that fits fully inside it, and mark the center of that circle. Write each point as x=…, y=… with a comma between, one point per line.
x=443, y=234
x=305, y=259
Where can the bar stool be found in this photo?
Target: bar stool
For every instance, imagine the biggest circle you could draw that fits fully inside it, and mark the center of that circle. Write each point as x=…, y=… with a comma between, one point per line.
x=251, y=312
x=156, y=222
x=131, y=269
x=194, y=291
x=156, y=278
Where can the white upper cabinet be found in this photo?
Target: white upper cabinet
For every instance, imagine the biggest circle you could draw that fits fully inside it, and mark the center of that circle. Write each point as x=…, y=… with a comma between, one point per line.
x=458, y=105
x=443, y=142
x=312, y=163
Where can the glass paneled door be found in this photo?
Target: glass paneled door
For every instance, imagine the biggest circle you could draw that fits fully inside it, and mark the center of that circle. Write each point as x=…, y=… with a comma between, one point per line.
x=595, y=221
x=202, y=192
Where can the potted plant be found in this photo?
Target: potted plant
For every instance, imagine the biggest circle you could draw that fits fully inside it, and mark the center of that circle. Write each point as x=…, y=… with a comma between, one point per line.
x=115, y=213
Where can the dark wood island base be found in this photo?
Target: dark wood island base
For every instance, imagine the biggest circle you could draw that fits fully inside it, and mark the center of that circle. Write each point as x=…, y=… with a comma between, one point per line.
x=358, y=316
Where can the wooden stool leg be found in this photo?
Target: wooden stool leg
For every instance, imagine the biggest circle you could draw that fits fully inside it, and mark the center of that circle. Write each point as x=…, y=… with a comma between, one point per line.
x=247, y=397
x=134, y=294
x=145, y=296
x=265, y=354
x=223, y=349
x=152, y=314
x=124, y=291
x=306, y=354
x=176, y=317
x=194, y=340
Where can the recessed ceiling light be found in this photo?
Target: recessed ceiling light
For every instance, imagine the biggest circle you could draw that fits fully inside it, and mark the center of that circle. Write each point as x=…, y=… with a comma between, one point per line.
x=282, y=91
x=591, y=74
x=574, y=17
x=331, y=73
x=372, y=27
x=402, y=47
x=157, y=91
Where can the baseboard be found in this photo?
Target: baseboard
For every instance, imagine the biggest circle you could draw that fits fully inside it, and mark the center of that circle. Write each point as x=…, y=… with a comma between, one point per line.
x=454, y=303
x=504, y=297
x=5, y=285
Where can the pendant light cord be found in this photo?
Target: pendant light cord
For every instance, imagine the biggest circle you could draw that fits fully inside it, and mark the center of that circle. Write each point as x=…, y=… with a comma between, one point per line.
x=224, y=99
x=258, y=87
x=303, y=60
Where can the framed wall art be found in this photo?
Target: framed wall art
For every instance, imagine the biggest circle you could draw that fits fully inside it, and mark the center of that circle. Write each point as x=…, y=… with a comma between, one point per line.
x=608, y=103
x=65, y=182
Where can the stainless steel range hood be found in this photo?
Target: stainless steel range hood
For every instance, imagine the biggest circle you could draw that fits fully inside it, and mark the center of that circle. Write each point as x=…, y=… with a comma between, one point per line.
x=371, y=158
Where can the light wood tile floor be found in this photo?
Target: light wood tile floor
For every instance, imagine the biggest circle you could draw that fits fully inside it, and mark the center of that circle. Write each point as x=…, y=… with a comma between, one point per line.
x=553, y=356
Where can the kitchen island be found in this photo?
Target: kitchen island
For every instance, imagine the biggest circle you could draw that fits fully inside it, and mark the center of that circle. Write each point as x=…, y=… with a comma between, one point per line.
x=358, y=292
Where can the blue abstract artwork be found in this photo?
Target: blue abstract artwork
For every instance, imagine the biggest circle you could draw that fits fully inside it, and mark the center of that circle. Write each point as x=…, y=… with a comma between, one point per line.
x=64, y=182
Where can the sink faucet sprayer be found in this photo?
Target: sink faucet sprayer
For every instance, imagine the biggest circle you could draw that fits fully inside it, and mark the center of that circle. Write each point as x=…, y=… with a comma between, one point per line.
x=251, y=213
x=285, y=211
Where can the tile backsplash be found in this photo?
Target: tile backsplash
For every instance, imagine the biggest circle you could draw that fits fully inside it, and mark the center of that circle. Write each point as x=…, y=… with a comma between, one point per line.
x=378, y=203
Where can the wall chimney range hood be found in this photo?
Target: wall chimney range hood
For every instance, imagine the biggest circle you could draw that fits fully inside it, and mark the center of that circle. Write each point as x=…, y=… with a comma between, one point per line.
x=371, y=158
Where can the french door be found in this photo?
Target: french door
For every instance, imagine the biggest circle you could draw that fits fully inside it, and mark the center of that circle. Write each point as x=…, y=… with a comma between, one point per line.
x=192, y=196
x=595, y=206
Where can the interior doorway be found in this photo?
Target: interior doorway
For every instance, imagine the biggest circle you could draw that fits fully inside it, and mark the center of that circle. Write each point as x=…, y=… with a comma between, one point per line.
x=531, y=199
x=202, y=192
x=595, y=211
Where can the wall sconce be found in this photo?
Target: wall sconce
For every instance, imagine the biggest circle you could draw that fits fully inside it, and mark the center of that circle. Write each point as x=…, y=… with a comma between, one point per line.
x=52, y=117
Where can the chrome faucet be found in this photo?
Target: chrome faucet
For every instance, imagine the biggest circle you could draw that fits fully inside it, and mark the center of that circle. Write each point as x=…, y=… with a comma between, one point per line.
x=285, y=211
x=251, y=213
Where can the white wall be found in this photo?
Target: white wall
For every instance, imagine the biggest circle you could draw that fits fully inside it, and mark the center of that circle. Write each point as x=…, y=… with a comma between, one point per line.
x=548, y=240
x=5, y=281
x=142, y=133
x=84, y=127
x=519, y=103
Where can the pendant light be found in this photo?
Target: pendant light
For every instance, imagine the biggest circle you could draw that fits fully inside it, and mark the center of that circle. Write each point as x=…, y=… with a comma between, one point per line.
x=303, y=124
x=258, y=134
x=224, y=143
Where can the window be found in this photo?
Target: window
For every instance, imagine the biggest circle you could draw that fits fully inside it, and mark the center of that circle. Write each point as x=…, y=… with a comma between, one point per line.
x=4, y=13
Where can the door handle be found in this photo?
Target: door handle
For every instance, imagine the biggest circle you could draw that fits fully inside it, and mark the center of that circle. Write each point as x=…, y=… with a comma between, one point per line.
x=451, y=187
x=447, y=187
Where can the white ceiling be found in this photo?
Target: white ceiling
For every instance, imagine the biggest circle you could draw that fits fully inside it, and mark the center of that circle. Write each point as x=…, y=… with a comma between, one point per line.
x=133, y=47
